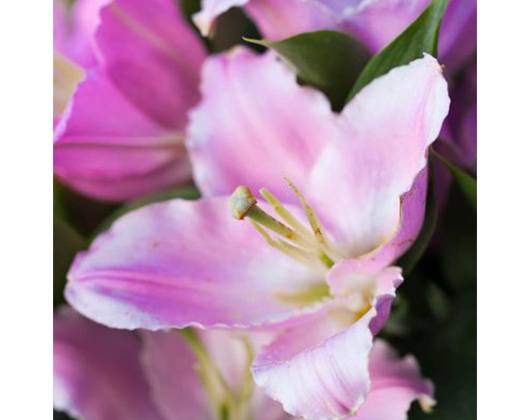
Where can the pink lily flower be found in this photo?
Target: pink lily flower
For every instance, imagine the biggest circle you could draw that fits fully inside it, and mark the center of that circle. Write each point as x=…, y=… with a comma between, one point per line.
x=121, y=135
x=313, y=260
x=103, y=374
x=374, y=22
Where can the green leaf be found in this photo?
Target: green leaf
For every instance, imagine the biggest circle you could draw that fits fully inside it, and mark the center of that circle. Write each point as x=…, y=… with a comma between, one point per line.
x=413, y=255
x=420, y=37
x=458, y=242
x=466, y=182
x=447, y=355
x=327, y=60
x=66, y=243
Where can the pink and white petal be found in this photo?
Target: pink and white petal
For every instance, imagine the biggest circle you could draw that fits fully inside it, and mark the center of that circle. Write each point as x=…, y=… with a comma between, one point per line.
x=97, y=372
x=74, y=26
x=395, y=384
x=106, y=148
x=152, y=56
x=318, y=369
x=385, y=132
x=182, y=263
x=255, y=125
x=210, y=11
x=368, y=280
x=412, y=215
x=169, y=366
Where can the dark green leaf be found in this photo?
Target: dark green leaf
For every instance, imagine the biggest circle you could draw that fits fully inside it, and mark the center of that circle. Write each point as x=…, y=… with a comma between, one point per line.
x=327, y=60
x=66, y=243
x=447, y=355
x=413, y=255
x=420, y=37
x=458, y=244
x=466, y=182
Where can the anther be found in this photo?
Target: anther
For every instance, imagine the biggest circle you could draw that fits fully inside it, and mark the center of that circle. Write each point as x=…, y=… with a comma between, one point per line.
x=241, y=201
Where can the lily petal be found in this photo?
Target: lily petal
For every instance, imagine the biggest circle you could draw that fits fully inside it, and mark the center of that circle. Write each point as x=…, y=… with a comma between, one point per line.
x=378, y=22
x=169, y=365
x=386, y=129
x=66, y=76
x=366, y=277
x=320, y=368
x=97, y=372
x=107, y=148
x=395, y=384
x=255, y=125
x=458, y=34
x=152, y=56
x=74, y=26
x=171, y=368
x=182, y=263
x=375, y=22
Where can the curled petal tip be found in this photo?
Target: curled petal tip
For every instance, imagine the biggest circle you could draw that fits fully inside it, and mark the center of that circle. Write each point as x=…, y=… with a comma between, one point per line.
x=426, y=403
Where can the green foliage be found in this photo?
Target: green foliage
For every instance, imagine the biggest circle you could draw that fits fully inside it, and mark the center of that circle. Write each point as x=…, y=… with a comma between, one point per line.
x=327, y=60
x=466, y=182
x=66, y=243
x=420, y=37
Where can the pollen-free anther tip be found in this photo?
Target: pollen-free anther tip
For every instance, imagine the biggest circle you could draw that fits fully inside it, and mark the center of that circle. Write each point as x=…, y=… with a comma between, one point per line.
x=241, y=202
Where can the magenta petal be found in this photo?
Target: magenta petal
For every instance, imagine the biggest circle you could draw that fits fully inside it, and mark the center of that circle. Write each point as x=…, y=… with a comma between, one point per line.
x=106, y=148
x=395, y=384
x=318, y=369
x=153, y=57
x=460, y=127
x=181, y=263
x=458, y=34
x=255, y=125
x=97, y=372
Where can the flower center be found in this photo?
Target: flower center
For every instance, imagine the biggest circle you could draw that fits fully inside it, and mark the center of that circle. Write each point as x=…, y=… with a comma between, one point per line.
x=292, y=237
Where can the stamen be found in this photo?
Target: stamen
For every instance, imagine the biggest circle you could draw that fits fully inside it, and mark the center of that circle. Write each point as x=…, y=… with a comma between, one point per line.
x=284, y=213
x=308, y=247
x=294, y=252
x=310, y=214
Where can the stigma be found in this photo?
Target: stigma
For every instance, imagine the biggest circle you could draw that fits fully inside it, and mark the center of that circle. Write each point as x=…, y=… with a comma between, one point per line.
x=290, y=236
